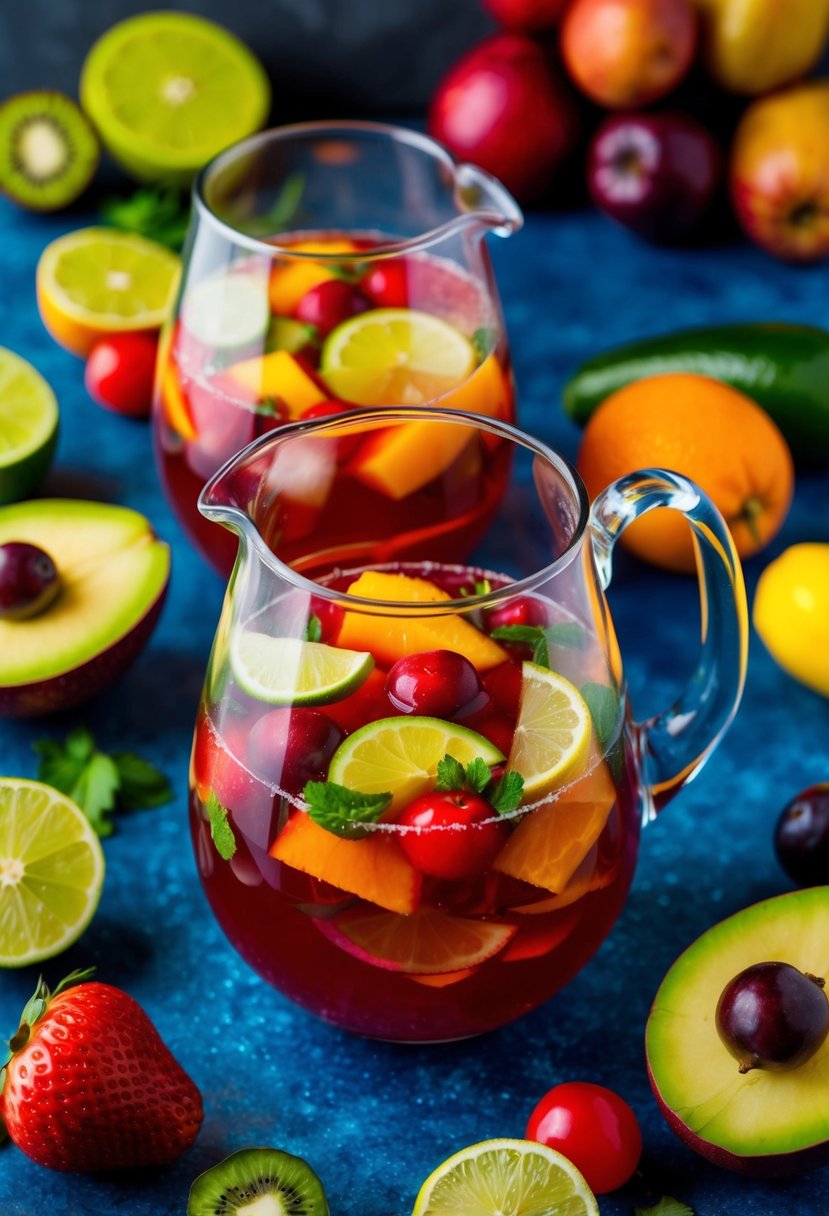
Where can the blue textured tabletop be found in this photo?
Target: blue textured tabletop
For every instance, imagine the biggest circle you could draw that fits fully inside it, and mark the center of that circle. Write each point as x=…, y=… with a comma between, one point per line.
x=375, y=1119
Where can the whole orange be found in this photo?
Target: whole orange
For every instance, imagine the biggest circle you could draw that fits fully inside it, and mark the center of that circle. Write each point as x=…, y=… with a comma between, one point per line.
x=709, y=432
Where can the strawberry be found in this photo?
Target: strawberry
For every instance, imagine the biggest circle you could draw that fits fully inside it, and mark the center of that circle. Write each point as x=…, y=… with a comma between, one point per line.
x=89, y=1085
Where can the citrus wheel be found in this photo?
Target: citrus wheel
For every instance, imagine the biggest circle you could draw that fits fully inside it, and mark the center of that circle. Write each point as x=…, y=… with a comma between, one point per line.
x=427, y=942
x=552, y=735
x=28, y=427
x=289, y=671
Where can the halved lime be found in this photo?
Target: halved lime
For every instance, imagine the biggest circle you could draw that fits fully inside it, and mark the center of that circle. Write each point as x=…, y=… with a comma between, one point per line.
x=28, y=427
x=395, y=356
x=496, y=1177
x=401, y=755
x=227, y=311
x=167, y=91
x=288, y=671
x=552, y=737
x=51, y=872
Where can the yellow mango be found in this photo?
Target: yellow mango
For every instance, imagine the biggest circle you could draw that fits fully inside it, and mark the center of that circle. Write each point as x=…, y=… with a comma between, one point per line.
x=279, y=376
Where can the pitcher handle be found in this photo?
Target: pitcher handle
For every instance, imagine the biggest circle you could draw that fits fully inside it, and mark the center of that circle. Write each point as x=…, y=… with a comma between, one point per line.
x=674, y=744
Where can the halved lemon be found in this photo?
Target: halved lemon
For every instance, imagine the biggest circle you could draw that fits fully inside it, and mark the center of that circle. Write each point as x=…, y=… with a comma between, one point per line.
x=51, y=872
x=28, y=427
x=506, y=1178
x=552, y=737
x=401, y=755
x=97, y=281
x=428, y=942
x=395, y=356
x=289, y=671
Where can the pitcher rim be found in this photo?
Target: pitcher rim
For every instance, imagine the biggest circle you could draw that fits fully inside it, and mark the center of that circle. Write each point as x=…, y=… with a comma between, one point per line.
x=241, y=521
x=405, y=135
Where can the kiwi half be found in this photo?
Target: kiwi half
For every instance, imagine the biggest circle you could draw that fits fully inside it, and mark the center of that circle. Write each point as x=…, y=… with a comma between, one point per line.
x=48, y=150
x=258, y=1182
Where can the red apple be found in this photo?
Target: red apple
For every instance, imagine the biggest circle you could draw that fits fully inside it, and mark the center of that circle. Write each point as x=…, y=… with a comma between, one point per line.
x=655, y=173
x=526, y=16
x=504, y=107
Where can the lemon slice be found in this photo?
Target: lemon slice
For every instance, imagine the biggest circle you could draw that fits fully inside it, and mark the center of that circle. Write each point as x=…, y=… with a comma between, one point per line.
x=228, y=311
x=51, y=872
x=395, y=356
x=552, y=737
x=28, y=427
x=288, y=671
x=167, y=91
x=500, y=1177
x=97, y=281
x=401, y=755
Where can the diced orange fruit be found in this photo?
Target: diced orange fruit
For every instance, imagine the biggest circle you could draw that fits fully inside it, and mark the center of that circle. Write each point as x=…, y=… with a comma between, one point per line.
x=389, y=638
x=428, y=942
x=444, y=980
x=175, y=406
x=375, y=868
x=278, y=376
x=550, y=843
x=401, y=459
x=291, y=279
x=590, y=876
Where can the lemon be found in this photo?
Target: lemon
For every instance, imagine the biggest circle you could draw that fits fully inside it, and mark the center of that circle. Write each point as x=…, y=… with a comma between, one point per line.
x=51, y=872
x=791, y=612
x=506, y=1178
x=395, y=356
x=401, y=755
x=167, y=91
x=97, y=281
x=28, y=427
x=552, y=736
x=288, y=671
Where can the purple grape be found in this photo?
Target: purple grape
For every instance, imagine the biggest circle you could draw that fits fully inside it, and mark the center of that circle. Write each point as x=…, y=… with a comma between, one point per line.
x=29, y=580
x=801, y=838
x=773, y=1016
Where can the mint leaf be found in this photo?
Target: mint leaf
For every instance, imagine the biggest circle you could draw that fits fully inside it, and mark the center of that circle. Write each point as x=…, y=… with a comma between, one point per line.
x=343, y=811
x=450, y=774
x=483, y=340
x=80, y=743
x=566, y=633
x=508, y=792
x=160, y=215
x=667, y=1206
x=530, y=635
x=478, y=775
x=142, y=785
x=221, y=833
x=95, y=792
x=603, y=703
x=313, y=630
x=282, y=214
x=482, y=586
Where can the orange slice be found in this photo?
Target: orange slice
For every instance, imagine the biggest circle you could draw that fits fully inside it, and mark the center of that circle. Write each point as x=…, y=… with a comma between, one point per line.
x=291, y=279
x=444, y=980
x=590, y=876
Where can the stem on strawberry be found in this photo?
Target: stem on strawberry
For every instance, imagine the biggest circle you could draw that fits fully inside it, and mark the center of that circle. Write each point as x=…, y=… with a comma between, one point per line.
x=37, y=1005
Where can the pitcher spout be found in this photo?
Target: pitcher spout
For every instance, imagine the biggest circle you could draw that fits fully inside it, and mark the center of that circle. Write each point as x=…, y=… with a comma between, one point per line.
x=480, y=197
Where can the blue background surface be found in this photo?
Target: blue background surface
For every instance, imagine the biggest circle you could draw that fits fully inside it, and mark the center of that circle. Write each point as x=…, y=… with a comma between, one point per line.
x=375, y=1119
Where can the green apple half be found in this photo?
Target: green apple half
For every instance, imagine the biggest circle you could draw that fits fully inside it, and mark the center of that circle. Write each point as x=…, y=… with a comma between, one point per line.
x=760, y=1123
x=113, y=575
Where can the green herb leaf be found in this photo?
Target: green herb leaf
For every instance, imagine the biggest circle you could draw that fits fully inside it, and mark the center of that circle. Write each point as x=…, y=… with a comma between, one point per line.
x=667, y=1206
x=95, y=792
x=142, y=785
x=508, y=792
x=482, y=586
x=343, y=811
x=477, y=775
x=450, y=774
x=160, y=215
x=313, y=630
x=603, y=703
x=483, y=340
x=566, y=633
x=283, y=212
x=221, y=833
x=530, y=635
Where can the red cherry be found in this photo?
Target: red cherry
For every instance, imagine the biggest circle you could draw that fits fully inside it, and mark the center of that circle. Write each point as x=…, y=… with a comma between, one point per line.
x=458, y=834
x=387, y=284
x=594, y=1128
x=346, y=444
x=329, y=615
x=438, y=683
x=329, y=304
x=503, y=683
x=120, y=371
x=288, y=747
x=521, y=611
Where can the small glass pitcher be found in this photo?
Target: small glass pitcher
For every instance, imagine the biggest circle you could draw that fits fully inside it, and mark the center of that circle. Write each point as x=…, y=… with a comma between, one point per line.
x=416, y=783
x=328, y=265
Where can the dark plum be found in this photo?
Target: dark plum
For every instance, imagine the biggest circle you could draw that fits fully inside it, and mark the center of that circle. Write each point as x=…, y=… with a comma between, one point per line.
x=437, y=683
x=29, y=580
x=801, y=838
x=773, y=1016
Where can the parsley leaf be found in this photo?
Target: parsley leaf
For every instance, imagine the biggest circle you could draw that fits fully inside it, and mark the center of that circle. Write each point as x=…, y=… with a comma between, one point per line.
x=451, y=775
x=478, y=775
x=508, y=791
x=667, y=1206
x=221, y=833
x=343, y=811
x=313, y=630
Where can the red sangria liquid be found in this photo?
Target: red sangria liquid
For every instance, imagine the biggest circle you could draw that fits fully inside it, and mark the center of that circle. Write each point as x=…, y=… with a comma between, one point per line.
x=254, y=347
x=417, y=827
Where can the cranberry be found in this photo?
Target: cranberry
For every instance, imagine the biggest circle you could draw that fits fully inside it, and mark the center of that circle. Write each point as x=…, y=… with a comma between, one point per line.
x=438, y=683
x=387, y=284
x=329, y=304
x=454, y=834
x=773, y=1016
x=29, y=580
x=346, y=444
x=288, y=747
x=801, y=838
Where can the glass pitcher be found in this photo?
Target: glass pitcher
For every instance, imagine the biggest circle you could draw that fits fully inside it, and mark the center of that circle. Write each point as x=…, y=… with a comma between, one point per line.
x=416, y=783
x=328, y=265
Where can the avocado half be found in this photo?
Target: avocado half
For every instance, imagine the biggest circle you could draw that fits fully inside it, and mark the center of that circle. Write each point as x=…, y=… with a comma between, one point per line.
x=761, y=1123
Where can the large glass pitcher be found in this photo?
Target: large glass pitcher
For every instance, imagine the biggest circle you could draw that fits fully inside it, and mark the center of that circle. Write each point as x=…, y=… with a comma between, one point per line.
x=416, y=784
x=328, y=265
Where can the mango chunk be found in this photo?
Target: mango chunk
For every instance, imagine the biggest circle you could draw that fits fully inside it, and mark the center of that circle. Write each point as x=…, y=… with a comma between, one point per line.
x=278, y=376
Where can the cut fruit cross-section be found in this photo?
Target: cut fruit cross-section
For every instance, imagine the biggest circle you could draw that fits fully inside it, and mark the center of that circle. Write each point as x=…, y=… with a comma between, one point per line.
x=227, y=311
x=552, y=736
x=28, y=427
x=288, y=671
x=428, y=942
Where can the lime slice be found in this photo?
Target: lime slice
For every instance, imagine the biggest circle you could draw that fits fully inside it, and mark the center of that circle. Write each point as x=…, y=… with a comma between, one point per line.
x=496, y=1177
x=401, y=755
x=28, y=427
x=167, y=91
x=287, y=671
x=51, y=872
x=395, y=356
x=227, y=311
x=552, y=737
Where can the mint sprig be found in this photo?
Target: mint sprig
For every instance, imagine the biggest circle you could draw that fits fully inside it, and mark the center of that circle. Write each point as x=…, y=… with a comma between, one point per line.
x=160, y=215
x=100, y=783
x=504, y=795
x=221, y=833
x=541, y=637
x=508, y=792
x=344, y=812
